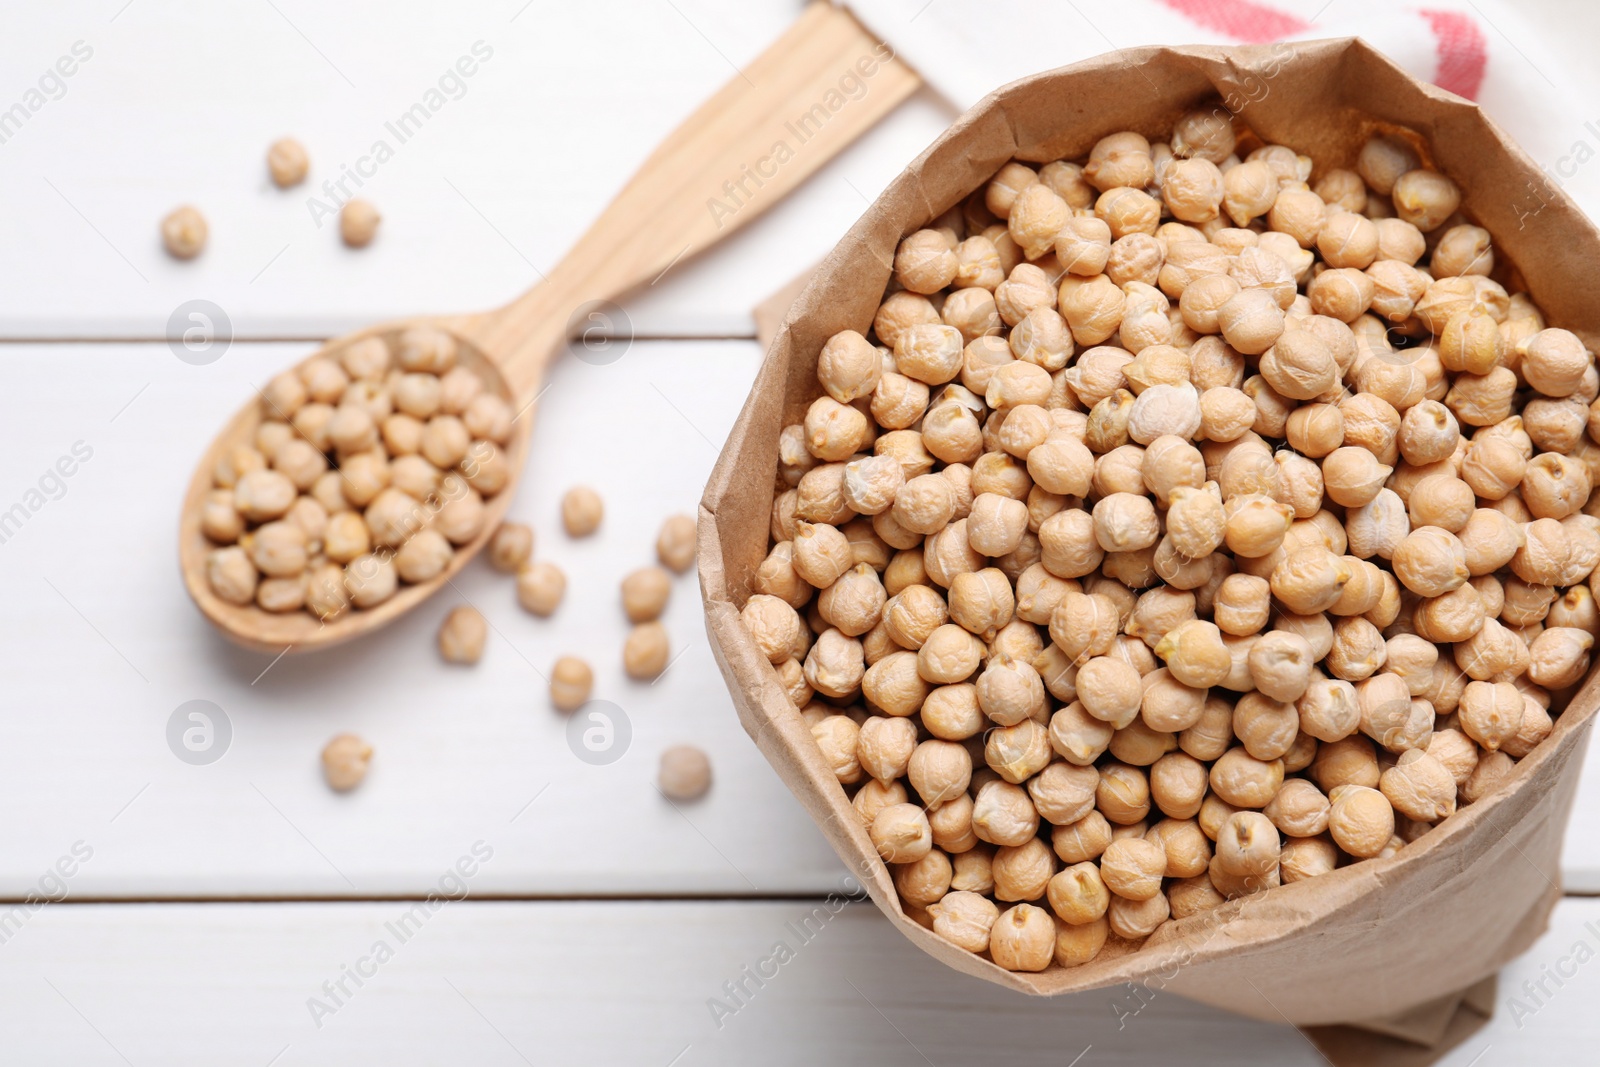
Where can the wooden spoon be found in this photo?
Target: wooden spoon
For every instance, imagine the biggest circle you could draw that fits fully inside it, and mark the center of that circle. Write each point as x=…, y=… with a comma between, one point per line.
x=718, y=170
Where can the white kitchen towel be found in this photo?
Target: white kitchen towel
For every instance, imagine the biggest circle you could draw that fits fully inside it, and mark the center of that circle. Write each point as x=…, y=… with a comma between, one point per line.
x=1479, y=49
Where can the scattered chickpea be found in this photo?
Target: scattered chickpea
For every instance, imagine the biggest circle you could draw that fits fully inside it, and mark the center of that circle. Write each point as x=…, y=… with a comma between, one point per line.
x=511, y=547
x=358, y=223
x=344, y=762
x=540, y=587
x=675, y=544
x=183, y=233
x=644, y=653
x=581, y=511
x=287, y=162
x=685, y=773
x=462, y=635
x=644, y=594
x=571, y=681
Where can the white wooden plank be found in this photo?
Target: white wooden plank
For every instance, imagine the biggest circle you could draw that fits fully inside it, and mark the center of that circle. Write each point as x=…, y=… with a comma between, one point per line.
x=99, y=645
x=179, y=99
x=628, y=982
x=553, y=983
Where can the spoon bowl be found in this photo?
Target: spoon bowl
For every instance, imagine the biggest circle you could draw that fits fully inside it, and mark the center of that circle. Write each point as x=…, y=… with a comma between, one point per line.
x=299, y=630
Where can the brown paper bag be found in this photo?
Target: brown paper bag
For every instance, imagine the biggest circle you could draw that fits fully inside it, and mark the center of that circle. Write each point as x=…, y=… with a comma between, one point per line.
x=1370, y=941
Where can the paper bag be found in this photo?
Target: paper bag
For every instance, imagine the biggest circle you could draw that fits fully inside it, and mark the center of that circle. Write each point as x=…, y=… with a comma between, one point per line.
x=1369, y=941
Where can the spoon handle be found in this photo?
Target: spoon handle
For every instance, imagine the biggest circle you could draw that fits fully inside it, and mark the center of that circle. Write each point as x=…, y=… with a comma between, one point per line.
x=797, y=105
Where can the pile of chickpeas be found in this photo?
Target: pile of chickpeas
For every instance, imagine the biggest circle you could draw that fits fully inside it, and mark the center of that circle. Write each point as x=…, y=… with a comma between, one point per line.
x=1194, y=519
x=370, y=465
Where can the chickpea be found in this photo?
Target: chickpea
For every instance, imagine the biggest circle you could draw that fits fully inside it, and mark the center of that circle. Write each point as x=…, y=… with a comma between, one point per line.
x=1536, y=726
x=1110, y=690
x=1494, y=653
x=1491, y=772
x=1003, y=814
x=1307, y=857
x=1493, y=467
x=901, y=833
x=1545, y=551
x=581, y=511
x=964, y=919
x=1425, y=199
x=1360, y=819
x=1018, y=752
x=1256, y=524
x=1193, y=189
x=183, y=232
x=1123, y=795
x=949, y=655
x=1430, y=562
x=1348, y=240
x=924, y=262
x=1281, y=665
x=1555, y=486
x=344, y=762
x=1023, y=938
x=1310, y=580
x=1083, y=246
x=1240, y=779
x=1559, y=657
x=1232, y=886
x=1164, y=410
x=1195, y=654
x=1383, y=161
x=1251, y=321
x=1132, y=868
x=1023, y=872
x=1247, y=845
x=644, y=653
x=1554, y=362
x=1419, y=787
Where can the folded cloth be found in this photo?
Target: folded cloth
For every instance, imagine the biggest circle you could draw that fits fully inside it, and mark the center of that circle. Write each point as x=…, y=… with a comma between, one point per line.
x=1478, y=49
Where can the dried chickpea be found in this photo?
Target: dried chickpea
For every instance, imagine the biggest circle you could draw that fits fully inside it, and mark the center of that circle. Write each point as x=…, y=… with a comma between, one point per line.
x=1559, y=657
x=1240, y=779
x=344, y=762
x=1425, y=198
x=1361, y=820
x=424, y=557
x=1195, y=654
x=901, y=833
x=540, y=587
x=462, y=635
x=1419, y=787
x=1023, y=938
x=644, y=653
x=1247, y=846
x=511, y=547
x=581, y=511
x=358, y=223
x=1133, y=867
x=964, y=919
x=924, y=262
x=183, y=232
x=1281, y=664
x=370, y=580
x=1022, y=872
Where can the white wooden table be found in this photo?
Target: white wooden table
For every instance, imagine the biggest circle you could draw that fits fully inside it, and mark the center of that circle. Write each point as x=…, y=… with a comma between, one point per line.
x=208, y=905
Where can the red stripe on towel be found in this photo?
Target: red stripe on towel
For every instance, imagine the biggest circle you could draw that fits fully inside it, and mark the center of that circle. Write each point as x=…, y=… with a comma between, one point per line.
x=1463, y=52
x=1241, y=19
